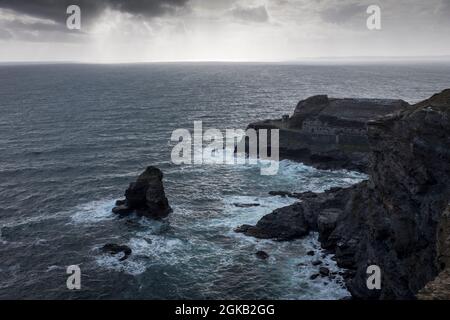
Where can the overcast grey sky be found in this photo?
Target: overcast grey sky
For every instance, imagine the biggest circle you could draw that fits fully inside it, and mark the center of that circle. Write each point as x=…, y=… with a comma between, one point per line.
x=226, y=30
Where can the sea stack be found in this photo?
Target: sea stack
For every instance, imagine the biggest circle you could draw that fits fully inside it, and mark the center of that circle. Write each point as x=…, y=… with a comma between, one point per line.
x=146, y=196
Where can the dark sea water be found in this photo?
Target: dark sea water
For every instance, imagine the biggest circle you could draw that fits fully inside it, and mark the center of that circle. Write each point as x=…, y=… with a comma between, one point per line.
x=73, y=136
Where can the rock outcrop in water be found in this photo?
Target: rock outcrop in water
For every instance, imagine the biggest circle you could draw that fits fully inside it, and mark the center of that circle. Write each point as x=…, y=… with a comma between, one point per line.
x=399, y=219
x=330, y=133
x=114, y=249
x=146, y=196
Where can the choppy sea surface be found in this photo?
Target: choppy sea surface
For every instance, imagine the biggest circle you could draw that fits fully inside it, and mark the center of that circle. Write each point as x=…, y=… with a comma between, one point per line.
x=73, y=136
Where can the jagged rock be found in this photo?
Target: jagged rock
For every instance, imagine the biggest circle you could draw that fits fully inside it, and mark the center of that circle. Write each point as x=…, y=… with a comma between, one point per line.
x=304, y=195
x=399, y=218
x=246, y=205
x=146, y=196
x=298, y=219
x=438, y=289
x=243, y=229
x=114, y=249
x=294, y=225
x=262, y=255
x=132, y=223
x=314, y=276
x=122, y=210
x=121, y=202
x=327, y=220
x=324, y=271
x=281, y=193
x=316, y=262
x=296, y=195
x=310, y=253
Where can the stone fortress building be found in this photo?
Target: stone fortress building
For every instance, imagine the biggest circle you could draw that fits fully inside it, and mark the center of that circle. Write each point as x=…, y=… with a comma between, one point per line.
x=316, y=126
x=330, y=132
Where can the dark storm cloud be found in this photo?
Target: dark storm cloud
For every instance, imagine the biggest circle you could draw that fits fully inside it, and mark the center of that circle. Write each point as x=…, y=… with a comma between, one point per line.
x=250, y=14
x=344, y=13
x=56, y=9
x=445, y=6
x=37, y=31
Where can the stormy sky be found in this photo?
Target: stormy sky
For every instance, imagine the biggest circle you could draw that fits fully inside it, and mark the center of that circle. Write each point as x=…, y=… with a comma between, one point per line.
x=221, y=30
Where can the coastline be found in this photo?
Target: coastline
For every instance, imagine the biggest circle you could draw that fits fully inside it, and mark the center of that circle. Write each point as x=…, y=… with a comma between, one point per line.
x=396, y=219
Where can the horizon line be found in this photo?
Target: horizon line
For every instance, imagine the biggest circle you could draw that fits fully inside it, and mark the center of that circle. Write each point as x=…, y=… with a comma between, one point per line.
x=441, y=58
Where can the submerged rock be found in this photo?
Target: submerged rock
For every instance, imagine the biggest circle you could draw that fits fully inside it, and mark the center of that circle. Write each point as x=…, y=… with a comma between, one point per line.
x=243, y=228
x=121, y=202
x=314, y=276
x=262, y=255
x=146, y=196
x=246, y=205
x=114, y=249
x=324, y=271
x=281, y=193
x=122, y=209
x=296, y=195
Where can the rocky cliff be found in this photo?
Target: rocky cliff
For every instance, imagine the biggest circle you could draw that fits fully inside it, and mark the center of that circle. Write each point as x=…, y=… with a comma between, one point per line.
x=330, y=133
x=398, y=219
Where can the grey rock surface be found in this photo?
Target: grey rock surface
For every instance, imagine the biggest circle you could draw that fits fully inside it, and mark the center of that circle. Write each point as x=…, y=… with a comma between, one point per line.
x=146, y=196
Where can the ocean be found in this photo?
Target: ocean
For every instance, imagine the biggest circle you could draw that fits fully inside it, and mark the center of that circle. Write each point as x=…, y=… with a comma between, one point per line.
x=73, y=136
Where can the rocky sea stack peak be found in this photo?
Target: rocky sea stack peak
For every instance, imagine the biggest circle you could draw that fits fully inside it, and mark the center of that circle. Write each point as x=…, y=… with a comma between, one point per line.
x=146, y=196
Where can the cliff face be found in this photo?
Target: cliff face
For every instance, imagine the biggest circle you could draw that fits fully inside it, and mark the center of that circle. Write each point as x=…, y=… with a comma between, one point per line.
x=439, y=288
x=330, y=133
x=345, y=112
x=401, y=210
x=398, y=219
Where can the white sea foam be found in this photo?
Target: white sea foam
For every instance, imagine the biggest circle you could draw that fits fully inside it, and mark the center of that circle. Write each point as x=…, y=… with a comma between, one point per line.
x=301, y=269
x=235, y=215
x=289, y=171
x=160, y=249
x=290, y=257
x=54, y=267
x=94, y=211
x=129, y=266
x=227, y=250
x=146, y=251
x=150, y=249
